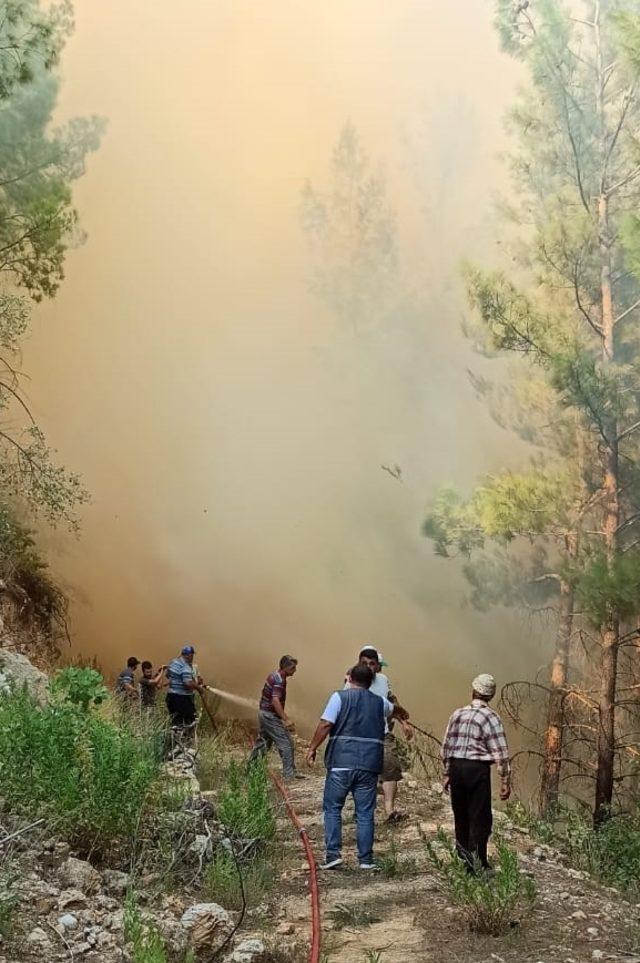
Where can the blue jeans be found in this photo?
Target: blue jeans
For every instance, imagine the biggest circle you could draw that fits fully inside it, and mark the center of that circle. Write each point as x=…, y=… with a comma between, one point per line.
x=363, y=787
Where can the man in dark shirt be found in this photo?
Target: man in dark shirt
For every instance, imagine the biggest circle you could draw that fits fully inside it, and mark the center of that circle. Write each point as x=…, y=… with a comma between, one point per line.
x=274, y=725
x=149, y=684
x=126, y=681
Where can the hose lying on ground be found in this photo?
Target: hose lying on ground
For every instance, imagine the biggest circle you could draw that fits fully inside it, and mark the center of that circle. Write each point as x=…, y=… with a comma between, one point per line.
x=314, y=949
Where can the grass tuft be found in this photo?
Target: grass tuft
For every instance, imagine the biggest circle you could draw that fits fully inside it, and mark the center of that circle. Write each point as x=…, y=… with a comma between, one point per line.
x=344, y=916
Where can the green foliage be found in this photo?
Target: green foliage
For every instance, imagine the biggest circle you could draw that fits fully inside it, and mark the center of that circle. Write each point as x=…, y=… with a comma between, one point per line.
x=600, y=585
x=30, y=40
x=87, y=776
x=541, y=829
x=37, y=225
x=373, y=956
x=82, y=687
x=222, y=879
x=144, y=938
x=611, y=853
x=244, y=803
x=504, y=507
x=8, y=900
x=394, y=866
x=355, y=915
x=491, y=902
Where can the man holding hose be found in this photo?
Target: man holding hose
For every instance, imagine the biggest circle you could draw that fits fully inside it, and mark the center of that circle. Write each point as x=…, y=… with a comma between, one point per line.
x=274, y=725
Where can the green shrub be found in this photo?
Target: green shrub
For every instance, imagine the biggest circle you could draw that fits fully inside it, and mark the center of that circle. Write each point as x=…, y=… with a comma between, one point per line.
x=355, y=915
x=541, y=829
x=394, y=866
x=611, y=854
x=222, y=880
x=8, y=903
x=244, y=803
x=490, y=901
x=87, y=776
x=81, y=686
x=144, y=939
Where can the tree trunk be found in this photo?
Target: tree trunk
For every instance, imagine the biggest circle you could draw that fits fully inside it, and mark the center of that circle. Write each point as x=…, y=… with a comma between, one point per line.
x=555, y=711
x=610, y=629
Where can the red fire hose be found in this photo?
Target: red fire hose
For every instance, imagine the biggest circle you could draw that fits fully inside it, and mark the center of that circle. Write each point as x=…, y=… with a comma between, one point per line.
x=314, y=950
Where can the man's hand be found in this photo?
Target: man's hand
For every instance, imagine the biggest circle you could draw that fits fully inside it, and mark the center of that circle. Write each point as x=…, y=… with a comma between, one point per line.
x=311, y=757
x=407, y=730
x=446, y=782
x=505, y=790
x=289, y=725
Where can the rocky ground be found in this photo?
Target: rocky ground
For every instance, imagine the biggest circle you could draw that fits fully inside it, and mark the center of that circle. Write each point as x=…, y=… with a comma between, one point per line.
x=70, y=910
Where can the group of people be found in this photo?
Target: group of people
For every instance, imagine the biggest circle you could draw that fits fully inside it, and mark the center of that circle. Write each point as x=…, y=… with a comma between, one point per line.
x=180, y=677
x=361, y=753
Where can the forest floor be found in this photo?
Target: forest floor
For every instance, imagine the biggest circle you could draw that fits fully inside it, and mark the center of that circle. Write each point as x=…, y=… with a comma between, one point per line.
x=573, y=919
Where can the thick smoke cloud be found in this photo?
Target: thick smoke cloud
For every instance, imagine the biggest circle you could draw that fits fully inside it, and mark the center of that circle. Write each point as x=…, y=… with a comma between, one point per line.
x=230, y=429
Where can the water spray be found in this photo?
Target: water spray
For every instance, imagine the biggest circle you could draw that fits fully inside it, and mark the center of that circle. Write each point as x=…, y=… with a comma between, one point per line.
x=232, y=697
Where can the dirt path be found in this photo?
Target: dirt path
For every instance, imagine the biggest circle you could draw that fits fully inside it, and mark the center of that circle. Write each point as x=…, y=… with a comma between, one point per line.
x=574, y=920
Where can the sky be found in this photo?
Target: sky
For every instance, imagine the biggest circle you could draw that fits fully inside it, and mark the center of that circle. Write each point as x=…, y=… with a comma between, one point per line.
x=229, y=426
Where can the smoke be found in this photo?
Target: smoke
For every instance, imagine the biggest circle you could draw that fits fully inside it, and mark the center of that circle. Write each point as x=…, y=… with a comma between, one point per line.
x=229, y=426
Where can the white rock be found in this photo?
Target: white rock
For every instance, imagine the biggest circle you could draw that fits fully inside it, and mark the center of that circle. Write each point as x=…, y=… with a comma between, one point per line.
x=597, y=955
x=593, y=931
x=579, y=915
x=249, y=951
x=205, y=922
x=79, y=874
x=38, y=937
x=16, y=671
x=68, y=921
x=71, y=897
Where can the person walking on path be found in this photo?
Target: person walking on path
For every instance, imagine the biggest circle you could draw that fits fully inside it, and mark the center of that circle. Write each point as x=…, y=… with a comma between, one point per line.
x=475, y=740
x=391, y=768
x=183, y=685
x=354, y=720
x=274, y=725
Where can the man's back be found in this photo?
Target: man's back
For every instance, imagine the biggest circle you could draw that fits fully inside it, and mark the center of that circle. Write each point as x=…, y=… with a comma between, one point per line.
x=179, y=672
x=275, y=687
x=475, y=731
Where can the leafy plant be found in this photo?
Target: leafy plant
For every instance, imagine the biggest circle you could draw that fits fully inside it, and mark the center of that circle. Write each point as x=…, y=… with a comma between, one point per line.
x=611, y=854
x=542, y=829
x=82, y=687
x=143, y=937
x=222, y=879
x=355, y=915
x=395, y=867
x=373, y=956
x=491, y=902
x=244, y=804
x=87, y=776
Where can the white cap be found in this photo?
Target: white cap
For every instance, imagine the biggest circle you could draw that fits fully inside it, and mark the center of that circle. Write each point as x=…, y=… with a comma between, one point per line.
x=372, y=648
x=485, y=685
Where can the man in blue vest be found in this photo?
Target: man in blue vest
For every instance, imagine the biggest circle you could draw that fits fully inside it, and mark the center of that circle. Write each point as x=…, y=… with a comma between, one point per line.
x=354, y=721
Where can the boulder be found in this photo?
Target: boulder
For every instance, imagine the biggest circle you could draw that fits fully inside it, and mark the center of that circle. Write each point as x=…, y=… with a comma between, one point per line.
x=17, y=671
x=79, y=874
x=115, y=882
x=72, y=899
x=205, y=923
x=68, y=921
x=249, y=951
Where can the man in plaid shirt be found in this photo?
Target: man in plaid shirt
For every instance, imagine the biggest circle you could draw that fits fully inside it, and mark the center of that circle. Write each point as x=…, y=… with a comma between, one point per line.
x=473, y=742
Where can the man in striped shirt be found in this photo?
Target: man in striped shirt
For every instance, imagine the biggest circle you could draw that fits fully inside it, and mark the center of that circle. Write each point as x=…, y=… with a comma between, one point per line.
x=475, y=740
x=274, y=725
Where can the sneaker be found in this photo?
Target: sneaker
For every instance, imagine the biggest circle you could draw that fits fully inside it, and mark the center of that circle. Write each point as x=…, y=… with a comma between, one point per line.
x=372, y=867
x=332, y=863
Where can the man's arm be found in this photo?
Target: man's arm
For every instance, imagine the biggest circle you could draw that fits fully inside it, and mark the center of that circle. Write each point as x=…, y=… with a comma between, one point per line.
x=157, y=679
x=130, y=688
x=445, y=752
x=402, y=717
x=322, y=731
x=496, y=741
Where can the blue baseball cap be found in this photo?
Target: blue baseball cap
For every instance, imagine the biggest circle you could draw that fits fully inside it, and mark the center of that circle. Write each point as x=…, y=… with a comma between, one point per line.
x=187, y=650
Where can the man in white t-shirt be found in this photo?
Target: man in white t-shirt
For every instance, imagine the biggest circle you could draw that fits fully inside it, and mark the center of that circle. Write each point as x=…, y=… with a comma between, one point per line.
x=392, y=771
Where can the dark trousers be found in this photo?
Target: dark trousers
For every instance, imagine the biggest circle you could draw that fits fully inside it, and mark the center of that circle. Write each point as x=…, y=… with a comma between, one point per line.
x=182, y=709
x=470, y=787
